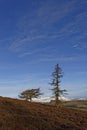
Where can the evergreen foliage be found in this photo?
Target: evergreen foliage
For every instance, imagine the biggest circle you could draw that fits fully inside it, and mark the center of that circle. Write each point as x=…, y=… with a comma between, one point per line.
x=29, y=94
x=57, y=74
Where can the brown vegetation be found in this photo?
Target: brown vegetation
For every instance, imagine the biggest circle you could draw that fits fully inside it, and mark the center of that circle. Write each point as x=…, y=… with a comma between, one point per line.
x=23, y=115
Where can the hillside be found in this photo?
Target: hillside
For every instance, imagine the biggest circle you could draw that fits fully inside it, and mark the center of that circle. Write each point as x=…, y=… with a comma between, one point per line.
x=23, y=115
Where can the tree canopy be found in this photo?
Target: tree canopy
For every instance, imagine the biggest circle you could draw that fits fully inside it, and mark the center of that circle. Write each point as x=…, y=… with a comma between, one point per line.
x=30, y=93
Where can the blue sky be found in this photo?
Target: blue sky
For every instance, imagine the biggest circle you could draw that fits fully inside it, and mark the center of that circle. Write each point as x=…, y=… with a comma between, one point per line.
x=35, y=35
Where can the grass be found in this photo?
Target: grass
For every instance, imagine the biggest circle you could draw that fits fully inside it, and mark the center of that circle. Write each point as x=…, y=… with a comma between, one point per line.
x=22, y=115
x=77, y=104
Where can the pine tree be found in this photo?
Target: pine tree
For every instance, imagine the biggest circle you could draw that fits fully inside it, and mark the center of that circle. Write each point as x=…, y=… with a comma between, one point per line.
x=57, y=74
x=29, y=94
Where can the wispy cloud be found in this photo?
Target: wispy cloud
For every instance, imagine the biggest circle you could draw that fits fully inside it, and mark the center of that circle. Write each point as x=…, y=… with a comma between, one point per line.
x=59, y=59
x=6, y=66
x=65, y=58
x=10, y=81
x=36, y=51
x=80, y=45
x=36, y=27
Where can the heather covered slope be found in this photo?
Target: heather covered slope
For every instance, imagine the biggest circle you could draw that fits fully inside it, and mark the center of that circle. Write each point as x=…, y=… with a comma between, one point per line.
x=23, y=115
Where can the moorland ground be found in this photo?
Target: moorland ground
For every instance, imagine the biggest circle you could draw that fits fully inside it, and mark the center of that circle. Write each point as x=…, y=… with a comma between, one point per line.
x=23, y=115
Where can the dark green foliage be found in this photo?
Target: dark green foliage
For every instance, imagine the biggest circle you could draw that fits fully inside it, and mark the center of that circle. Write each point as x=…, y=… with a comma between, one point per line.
x=57, y=74
x=31, y=93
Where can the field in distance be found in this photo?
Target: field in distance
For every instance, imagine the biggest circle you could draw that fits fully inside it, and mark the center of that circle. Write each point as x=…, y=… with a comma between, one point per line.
x=77, y=104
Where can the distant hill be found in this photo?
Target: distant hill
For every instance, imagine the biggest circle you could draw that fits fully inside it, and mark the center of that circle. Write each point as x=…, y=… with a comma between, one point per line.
x=22, y=115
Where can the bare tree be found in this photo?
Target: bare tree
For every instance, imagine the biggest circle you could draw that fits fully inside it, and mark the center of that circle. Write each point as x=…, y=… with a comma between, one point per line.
x=57, y=74
x=29, y=94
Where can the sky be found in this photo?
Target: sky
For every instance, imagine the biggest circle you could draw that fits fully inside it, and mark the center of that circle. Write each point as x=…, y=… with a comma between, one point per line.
x=35, y=35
